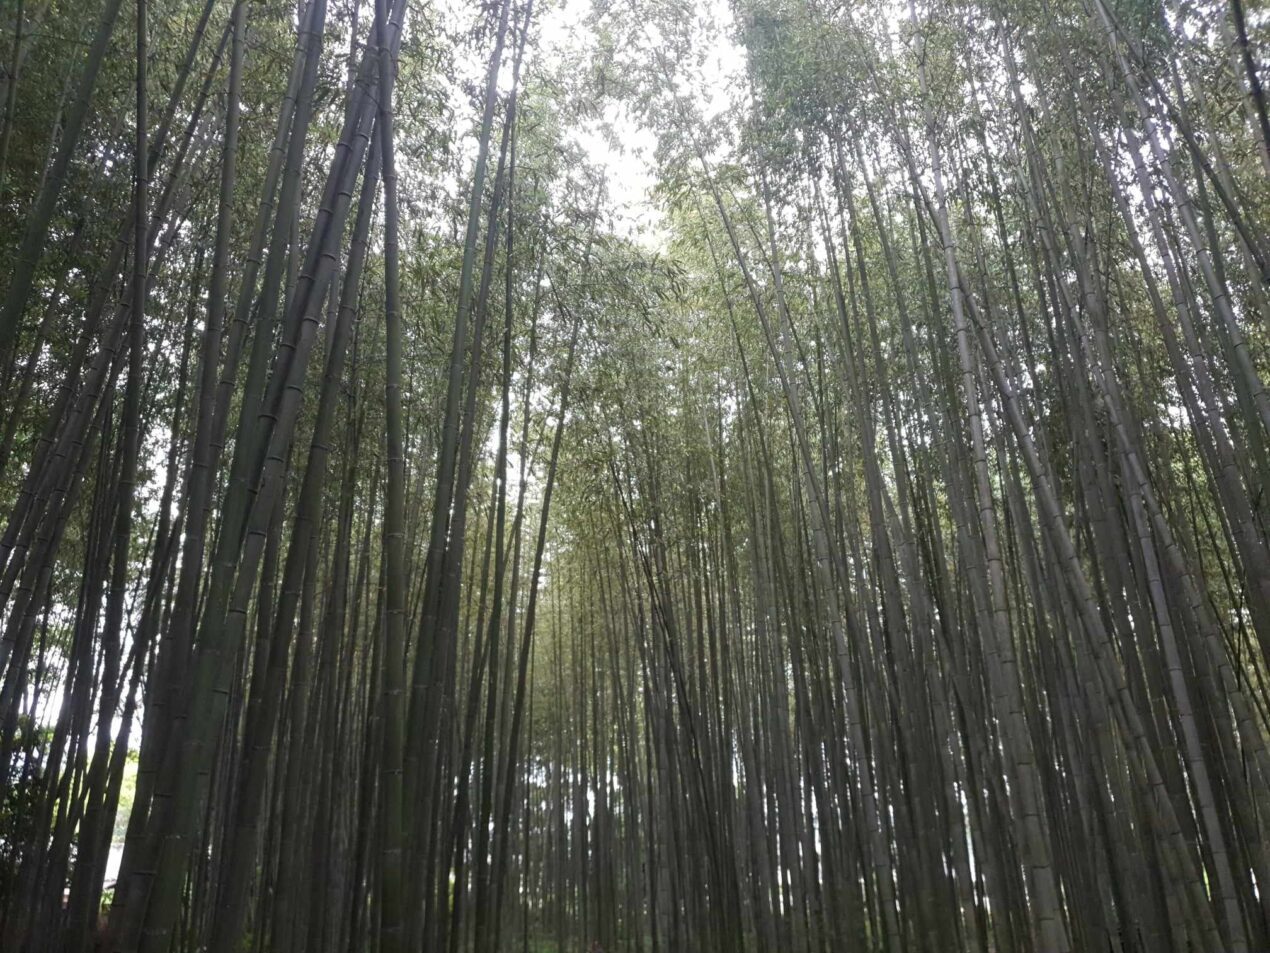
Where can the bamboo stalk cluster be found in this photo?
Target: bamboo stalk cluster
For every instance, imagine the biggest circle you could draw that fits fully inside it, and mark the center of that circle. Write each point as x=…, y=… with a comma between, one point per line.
x=398, y=555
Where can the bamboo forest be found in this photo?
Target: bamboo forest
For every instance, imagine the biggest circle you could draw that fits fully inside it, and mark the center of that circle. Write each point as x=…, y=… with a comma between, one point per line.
x=634, y=476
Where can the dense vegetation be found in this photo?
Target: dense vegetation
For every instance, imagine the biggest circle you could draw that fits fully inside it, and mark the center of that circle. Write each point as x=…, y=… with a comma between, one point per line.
x=862, y=543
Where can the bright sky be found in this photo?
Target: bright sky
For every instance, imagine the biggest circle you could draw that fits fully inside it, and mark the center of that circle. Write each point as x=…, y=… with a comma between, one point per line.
x=626, y=153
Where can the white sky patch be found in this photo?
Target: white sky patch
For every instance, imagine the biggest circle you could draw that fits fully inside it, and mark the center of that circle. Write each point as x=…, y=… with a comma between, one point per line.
x=616, y=142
